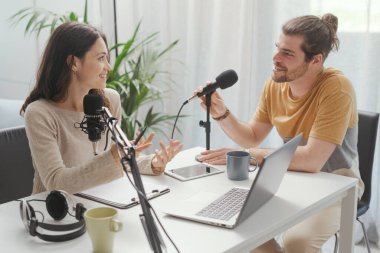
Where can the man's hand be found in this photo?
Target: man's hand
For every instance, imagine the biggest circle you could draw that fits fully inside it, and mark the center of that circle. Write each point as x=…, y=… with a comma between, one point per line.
x=218, y=108
x=217, y=156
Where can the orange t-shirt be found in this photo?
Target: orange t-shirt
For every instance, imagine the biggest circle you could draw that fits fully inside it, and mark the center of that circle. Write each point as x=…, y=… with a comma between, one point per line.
x=327, y=112
x=324, y=113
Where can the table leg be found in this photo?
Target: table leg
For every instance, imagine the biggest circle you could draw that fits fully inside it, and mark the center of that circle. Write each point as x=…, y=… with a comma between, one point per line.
x=347, y=221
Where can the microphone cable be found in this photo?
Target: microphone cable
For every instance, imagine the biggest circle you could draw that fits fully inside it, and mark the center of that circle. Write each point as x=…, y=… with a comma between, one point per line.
x=176, y=118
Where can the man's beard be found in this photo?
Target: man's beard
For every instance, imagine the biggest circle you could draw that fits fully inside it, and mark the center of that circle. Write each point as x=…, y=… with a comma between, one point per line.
x=292, y=75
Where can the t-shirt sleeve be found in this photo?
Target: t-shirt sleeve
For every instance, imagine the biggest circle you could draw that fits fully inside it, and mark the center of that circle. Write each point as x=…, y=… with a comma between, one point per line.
x=261, y=113
x=336, y=112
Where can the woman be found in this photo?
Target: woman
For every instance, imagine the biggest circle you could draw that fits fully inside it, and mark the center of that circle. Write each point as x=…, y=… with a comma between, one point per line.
x=75, y=61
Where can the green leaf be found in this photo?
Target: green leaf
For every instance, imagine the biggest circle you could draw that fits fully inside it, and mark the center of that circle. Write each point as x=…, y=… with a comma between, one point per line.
x=73, y=17
x=54, y=23
x=31, y=21
x=170, y=47
x=125, y=50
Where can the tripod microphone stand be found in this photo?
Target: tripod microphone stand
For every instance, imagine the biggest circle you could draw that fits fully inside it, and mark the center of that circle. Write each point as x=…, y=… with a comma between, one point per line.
x=151, y=231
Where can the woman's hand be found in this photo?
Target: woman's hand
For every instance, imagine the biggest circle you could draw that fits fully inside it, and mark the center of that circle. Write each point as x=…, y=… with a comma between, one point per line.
x=144, y=144
x=165, y=155
x=218, y=108
x=217, y=156
x=139, y=147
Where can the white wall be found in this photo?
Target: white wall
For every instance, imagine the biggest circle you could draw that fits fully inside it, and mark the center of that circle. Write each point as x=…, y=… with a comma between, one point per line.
x=19, y=54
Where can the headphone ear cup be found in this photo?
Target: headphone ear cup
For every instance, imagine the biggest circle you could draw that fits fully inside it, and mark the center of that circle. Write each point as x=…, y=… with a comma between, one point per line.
x=79, y=211
x=56, y=205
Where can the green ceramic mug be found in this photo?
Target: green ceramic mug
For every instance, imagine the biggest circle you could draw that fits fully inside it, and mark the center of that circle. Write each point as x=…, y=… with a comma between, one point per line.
x=101, y=226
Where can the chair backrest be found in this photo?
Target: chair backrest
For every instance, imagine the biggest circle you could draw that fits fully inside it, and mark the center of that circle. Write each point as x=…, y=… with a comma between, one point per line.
x=367, y=132
x=16, y=167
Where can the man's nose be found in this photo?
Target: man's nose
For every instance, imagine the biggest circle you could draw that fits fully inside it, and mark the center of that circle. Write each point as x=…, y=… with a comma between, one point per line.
x=276, y=56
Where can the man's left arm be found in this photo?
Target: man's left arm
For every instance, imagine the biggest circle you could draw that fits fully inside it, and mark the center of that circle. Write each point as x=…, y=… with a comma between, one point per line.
x=312, y=157
x=308, y=158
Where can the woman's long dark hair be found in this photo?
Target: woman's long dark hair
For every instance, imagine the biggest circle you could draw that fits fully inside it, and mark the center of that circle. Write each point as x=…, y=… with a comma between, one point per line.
x=54, y=73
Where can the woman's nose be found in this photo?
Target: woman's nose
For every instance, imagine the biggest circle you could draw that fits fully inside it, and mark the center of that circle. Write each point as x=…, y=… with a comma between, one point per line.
x=108, y=66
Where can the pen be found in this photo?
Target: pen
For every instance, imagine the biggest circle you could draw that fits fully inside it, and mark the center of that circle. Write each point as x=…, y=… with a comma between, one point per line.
x=139, y=136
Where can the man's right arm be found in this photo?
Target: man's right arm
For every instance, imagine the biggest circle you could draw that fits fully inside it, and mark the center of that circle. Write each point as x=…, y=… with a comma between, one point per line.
x=247, y=135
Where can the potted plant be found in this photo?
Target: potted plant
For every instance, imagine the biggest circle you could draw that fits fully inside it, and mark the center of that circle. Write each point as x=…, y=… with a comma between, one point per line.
x=133, y=72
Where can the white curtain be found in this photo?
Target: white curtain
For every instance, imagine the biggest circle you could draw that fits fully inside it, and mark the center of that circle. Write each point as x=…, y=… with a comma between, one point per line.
x=216, y=35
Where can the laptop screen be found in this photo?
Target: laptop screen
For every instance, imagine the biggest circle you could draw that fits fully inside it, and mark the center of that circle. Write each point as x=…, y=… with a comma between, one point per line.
x=269, y=177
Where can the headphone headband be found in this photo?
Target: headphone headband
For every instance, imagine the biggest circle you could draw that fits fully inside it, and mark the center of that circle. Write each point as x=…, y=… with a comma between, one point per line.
x=57, y=207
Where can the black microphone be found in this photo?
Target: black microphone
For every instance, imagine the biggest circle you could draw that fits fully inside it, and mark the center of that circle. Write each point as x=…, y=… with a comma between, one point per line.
x=224, y=80
x=92, y=107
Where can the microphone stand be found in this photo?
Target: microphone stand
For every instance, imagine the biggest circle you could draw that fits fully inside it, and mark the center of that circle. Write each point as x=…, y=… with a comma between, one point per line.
x=207, y=124
x=151, y=231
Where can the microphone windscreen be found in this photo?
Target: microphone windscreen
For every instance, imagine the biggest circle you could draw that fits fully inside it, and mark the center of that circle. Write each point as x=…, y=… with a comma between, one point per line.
x=92, y=104
x=227, y=78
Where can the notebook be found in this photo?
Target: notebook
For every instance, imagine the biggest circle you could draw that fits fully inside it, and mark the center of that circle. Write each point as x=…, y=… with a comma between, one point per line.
x=244, y=201
x=121, y=194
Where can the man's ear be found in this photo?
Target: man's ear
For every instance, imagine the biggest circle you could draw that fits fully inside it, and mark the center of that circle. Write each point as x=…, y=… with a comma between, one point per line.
x=72, y=62
x=318, y=58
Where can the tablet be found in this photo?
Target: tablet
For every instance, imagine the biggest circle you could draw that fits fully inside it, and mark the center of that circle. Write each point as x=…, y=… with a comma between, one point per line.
x=193, y=171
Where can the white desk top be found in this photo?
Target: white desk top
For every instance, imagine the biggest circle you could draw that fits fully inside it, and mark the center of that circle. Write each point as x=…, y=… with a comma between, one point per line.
x=299, y=196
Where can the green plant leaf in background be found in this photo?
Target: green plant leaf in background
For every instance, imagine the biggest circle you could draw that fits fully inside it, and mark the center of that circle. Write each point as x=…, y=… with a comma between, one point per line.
x=40, y=19
x=134, y=72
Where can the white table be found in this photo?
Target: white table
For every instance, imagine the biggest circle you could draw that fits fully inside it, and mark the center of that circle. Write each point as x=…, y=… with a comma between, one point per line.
x=300, y=196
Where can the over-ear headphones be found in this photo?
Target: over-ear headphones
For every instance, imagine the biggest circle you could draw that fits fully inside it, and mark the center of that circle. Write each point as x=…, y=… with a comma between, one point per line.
x=57, y=206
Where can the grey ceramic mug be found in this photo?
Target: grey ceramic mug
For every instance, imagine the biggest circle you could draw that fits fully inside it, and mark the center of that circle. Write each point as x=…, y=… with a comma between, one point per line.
x=238, y=165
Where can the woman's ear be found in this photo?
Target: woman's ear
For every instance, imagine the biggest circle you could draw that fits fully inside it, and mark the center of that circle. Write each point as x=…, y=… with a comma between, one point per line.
x=72, y=62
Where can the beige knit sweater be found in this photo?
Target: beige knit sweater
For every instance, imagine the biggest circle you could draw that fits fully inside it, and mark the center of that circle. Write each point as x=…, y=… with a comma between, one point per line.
x=63, y=156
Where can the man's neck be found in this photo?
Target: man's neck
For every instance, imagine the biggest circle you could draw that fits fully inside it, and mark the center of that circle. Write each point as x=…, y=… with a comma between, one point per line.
x=304, y=84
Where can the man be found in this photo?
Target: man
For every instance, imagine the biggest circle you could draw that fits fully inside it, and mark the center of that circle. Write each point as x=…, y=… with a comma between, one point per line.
x=301, y=96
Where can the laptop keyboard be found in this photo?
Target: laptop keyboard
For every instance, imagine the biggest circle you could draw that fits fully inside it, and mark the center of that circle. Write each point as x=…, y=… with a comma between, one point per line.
x=226, y=206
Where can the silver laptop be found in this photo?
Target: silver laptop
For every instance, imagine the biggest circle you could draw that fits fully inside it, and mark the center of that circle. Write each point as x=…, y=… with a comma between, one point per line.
x=236, y=205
